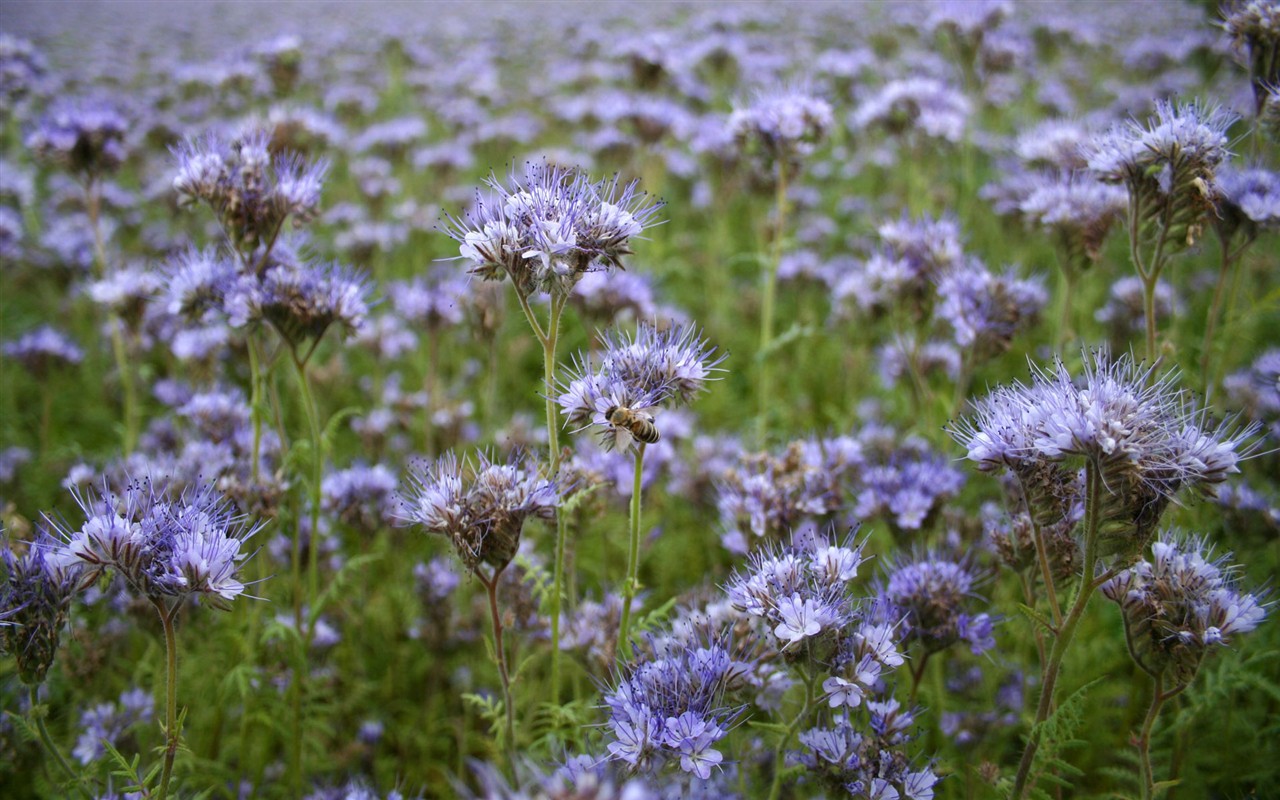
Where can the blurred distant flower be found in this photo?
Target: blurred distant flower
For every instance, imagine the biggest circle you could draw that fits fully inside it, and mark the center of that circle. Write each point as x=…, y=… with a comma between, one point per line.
x=784, y=124
x=930, y=595
x=986, y=310
x=902, y=107
x=85, y=137
x=43, y=349
x=1254, y=26
x=106, y=723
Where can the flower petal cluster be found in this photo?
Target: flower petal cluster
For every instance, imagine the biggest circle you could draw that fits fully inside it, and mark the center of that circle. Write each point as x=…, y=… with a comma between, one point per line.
x=638, y=373
x=481, y=507
x=669, y=708
x=550, y=225
x=800, y=593
x=1169, y=166
x=867, y=765
x=43, y=348
x=252, y=189
x=1139, y=430
x=928, y=595
x=164, y=546
x=1180, y=605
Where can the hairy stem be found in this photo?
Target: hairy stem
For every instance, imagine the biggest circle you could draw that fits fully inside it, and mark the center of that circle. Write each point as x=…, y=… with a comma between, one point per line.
x=780, y=751
x=49, y=746
x=1065, y=633
x=631, y=586
x=768, y=301
x=500, y=655
x=171, y=733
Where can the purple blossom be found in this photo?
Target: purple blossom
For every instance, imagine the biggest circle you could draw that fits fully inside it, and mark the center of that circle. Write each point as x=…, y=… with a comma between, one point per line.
x=549, y=226
x=480, y=507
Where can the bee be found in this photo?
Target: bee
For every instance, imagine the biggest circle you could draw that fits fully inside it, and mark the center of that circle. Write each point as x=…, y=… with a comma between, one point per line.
x=631, y=423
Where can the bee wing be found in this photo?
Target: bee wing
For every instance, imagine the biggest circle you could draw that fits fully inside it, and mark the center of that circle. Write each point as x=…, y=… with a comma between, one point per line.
x=646, y=413
x=621, y=438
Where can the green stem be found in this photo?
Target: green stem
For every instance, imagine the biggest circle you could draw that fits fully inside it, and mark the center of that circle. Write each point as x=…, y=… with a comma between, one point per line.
x=500, y=655
x=255, y=410
x=93, y=204
x=1215, y=310
x=1065, y=634
x=1042, y=556
x=317, y=467
x=917, y=673
x=768, y=302
x=172, y=734
x=1066, y=303
x=49, y=746
x=1146, y=777
x=632, y=584
x=780, y=751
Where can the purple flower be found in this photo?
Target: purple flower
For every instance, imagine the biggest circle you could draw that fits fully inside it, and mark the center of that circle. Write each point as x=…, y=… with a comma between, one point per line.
x=41, y=349
x=637, y=374
x=108, y=722
x=35, y=598
x=84, y=137
x=549, y=226
x=481, y=507
x=163, y=546
x=251, y=190
x=669, y=707
x=1179, y=605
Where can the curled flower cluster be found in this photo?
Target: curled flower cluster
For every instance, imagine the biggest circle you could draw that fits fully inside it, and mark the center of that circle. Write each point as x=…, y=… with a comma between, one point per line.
x=480, y=507
x=1139, y=431
x=252, y=190
x=651, y=369
x=670, y=708
x=163, y=547
x=871, y=766
x=1169, y=166
x=1254, y=26
x=35, y=597
x=550, y=226
x=1179, y=606
x=928, y=595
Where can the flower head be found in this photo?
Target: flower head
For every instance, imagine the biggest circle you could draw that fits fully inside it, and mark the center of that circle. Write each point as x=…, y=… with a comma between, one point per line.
x=638, y=374
x=84, y=137
x=1180, y=605
x=548, y=226
x=163, y=546
x=481, y=506
x=252, y=190
x=35, y=597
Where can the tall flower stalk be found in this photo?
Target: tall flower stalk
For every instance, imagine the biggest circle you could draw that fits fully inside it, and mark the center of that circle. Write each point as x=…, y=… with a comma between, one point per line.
x=637, y=376
x=1178, y=608
x=544, y=229
x=1250, y=205
x=1139, y=441
x=1169, y=166
x=482, y=508
x=168, y=550
x=780, y=128
x=87, y=139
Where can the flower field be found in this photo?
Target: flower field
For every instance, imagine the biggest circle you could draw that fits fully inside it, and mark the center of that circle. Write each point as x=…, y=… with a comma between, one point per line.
x=632, y=402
